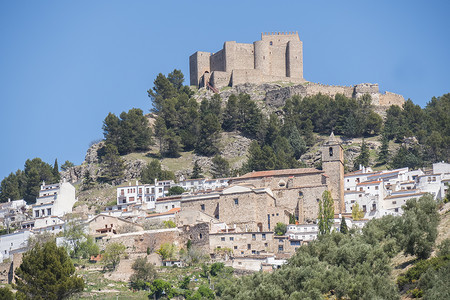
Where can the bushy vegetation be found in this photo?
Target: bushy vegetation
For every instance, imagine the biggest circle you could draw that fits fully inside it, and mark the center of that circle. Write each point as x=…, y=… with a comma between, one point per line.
x=47, y=272
x=355, y=265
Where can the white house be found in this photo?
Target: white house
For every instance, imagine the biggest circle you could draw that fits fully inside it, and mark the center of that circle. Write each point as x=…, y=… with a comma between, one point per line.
x=54, y=200
x=12, y=242
x=145, y=194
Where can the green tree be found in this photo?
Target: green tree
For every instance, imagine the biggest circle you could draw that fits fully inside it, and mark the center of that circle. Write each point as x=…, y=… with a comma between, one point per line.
x=280, y=229
x=166, y=251
x=87, y=248
x=196, y=171
x=56, y=175
x=143, y=272
x=420, y=220
x=67, y=165
x=10, y=187
x=163, y=89
x=113, y=254
x=363, y=157
x=220, y=167
x=159, y=287
x=112, y=164
x=88, y=181
x=326, y=213
x=230, y=118
x=6, y=294
x=47, y=272
x=343, y=229
x=208, y=136
x=176, y=190
x=357, y=212
x=407, y=157
x=383, y=154
x=36, y=171
x=153, y=170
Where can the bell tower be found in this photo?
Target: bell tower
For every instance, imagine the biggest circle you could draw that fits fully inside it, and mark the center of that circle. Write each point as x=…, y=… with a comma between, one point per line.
x=333, y=165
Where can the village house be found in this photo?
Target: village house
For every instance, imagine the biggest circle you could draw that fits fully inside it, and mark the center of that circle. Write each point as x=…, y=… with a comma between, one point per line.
x=54, y=200
x=103, y=224
x=384, y=192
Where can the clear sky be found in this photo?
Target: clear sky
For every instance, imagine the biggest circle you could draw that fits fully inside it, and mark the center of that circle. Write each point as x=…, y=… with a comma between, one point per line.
x=65, y=64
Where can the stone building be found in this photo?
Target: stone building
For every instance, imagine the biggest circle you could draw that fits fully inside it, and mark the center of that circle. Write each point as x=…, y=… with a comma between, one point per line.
x=276, y=57
x=257, y=201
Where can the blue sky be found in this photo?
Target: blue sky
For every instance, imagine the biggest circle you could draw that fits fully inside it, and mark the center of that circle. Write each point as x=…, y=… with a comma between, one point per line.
x=65, y=64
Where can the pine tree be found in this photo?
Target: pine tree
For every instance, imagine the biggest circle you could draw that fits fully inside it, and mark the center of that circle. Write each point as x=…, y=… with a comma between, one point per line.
x=113, y=166
x=363, y=157
x=56, y=175
x=47, y=272
x=344, y=228
x=196, y=171
x=383, y=155
x=220, y=167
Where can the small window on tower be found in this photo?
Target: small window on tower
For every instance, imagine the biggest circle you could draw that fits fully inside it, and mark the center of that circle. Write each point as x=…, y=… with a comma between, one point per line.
x=331, y=151
x=271, y=43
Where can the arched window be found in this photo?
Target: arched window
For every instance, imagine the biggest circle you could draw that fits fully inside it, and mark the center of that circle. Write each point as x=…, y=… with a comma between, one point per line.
x=331, y=151
x=270, y=43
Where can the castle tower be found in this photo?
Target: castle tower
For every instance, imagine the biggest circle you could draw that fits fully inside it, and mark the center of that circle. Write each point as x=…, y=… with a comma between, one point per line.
x=333, y=165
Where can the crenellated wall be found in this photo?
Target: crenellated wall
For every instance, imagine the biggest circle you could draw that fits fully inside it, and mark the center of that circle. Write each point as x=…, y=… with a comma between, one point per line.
x=276, y=57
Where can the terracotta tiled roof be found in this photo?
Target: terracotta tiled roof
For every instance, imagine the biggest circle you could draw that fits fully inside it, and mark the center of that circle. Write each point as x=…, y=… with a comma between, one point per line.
x=405, y=195
x=172, y=211
x=285, y=172
x=369, y=182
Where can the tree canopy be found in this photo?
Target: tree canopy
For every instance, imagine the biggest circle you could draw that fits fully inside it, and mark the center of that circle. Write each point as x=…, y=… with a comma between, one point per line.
x=47, y=272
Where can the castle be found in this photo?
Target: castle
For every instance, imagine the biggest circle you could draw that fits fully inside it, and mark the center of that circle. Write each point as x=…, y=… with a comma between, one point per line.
x=276, y=57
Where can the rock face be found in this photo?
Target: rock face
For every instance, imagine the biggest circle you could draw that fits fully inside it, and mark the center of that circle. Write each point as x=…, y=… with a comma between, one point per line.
x=91, y=164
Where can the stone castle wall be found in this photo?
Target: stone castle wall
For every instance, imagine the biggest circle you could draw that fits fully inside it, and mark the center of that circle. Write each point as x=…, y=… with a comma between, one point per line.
x=276, y=57
x=277, y=97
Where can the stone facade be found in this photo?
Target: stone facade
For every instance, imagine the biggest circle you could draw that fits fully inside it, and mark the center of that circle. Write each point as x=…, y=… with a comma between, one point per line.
x=242, y=243
x=333, y=165
x=276, y=57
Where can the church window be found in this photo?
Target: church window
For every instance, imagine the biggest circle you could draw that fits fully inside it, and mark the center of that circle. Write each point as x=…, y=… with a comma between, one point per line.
x=331, y=151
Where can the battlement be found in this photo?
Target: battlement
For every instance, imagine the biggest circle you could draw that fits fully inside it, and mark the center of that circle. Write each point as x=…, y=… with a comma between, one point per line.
x=291, y=33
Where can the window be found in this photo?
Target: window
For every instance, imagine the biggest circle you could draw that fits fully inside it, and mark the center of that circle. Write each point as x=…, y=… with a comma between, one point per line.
x=235, y=247
x=49, y=211
x=295, y=243
x=249, y=246
x=396, y=210
x=394, y=202
x=348, y=180
x=271, y=43
x=280, y=248
x=253, y=251
x=147, y=190
x=376, y=188
x=222, y=239
x=266, y=244
x=330, y=150
x=236, y=201
x=263, y=236
x=140, y=190
x=253, y=236
x=202, y=207
x=364, y=208
x=37, y=213
x=231, y=238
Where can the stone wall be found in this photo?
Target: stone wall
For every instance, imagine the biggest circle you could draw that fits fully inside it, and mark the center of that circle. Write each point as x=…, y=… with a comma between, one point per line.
x=277, y=97
x=243, y=243
x=389, y=99
x=138, y=242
